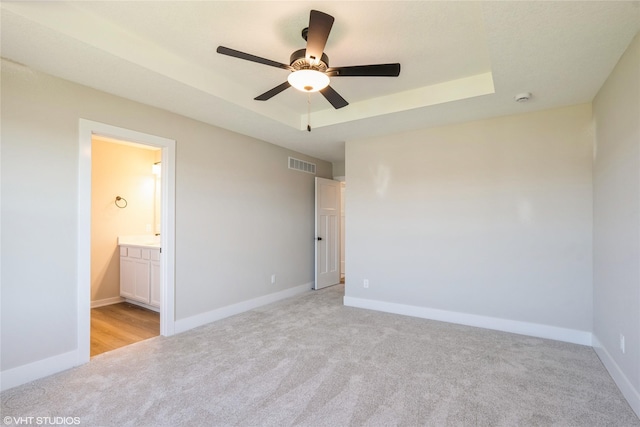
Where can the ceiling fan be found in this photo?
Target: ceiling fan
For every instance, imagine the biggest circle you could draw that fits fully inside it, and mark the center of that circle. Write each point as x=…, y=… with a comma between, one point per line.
x=310, y=70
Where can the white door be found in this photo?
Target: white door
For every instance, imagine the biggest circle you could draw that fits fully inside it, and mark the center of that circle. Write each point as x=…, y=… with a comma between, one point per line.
x=327, y=233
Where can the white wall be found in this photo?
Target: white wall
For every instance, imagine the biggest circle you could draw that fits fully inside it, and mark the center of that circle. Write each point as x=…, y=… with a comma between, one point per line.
x=241, y=215
x=616, y=271
x=485, y=223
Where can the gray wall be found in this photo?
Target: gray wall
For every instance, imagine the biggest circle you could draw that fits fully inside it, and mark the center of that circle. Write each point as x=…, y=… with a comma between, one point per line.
x=489, y=218
x=616, y=229
x=241, y=215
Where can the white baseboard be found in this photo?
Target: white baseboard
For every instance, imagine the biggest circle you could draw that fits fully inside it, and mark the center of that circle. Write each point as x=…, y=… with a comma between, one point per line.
x=628, y=390
x=106, y=301
x=183, y=325
x=39, y=369
x=505, y=325
x=143, y=305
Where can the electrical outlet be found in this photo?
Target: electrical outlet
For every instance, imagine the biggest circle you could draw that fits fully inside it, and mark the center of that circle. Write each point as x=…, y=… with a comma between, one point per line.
x=273, y=279
x=366, y=283
x=622, y=343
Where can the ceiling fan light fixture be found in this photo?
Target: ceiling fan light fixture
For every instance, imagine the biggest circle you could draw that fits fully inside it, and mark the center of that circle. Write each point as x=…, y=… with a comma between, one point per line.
x=308, y=80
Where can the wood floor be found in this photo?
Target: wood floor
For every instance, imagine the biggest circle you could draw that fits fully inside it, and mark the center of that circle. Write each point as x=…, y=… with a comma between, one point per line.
x=117, y=325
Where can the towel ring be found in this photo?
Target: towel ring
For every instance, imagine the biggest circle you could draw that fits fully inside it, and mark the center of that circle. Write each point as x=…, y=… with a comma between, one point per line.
x=120, y=199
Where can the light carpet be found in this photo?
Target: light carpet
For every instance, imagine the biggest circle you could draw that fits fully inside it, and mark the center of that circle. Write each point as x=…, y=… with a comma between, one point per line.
x=310, y=361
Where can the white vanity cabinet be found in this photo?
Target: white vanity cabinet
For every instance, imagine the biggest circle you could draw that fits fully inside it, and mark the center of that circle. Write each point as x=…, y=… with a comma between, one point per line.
x=140, y=275
x=154, y=291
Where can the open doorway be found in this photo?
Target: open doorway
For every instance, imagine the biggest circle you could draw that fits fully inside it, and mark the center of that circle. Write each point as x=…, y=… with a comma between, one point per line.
x=125, y=243
x=164, y=269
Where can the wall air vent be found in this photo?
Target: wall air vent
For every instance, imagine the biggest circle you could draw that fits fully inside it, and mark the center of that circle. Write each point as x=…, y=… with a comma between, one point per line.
x=301, y=165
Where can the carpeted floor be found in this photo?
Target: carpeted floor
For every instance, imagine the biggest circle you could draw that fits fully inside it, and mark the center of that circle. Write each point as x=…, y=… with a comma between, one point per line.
x=311, y=361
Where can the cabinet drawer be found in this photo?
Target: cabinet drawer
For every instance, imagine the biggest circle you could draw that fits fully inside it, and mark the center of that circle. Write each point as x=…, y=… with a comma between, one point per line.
x=134, y=252
x=146, y=254
x=123, y=251
x=155, y=255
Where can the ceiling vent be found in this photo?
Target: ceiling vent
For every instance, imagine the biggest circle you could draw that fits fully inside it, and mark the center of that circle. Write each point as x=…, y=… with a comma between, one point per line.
x=302, y=166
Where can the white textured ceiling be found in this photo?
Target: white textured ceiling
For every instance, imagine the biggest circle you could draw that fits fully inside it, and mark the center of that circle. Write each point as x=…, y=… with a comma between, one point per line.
x=460, y=60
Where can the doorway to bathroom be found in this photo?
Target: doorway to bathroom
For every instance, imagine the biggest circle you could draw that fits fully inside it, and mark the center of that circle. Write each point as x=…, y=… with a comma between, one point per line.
x=125, y=243
x=129, y=225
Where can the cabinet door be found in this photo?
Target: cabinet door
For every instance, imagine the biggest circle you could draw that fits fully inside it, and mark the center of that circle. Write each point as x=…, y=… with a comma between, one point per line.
x=127, y=278
x=155, y=284
x=141, y=281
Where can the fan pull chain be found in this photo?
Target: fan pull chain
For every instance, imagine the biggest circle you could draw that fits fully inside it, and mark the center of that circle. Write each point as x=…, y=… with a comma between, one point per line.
x=309, y=112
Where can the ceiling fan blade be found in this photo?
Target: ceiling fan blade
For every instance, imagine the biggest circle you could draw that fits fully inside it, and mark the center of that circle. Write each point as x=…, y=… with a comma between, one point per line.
x=247, y=56
x=377, y=70
x=319, y=28
x=273, y=92
x=334, y=97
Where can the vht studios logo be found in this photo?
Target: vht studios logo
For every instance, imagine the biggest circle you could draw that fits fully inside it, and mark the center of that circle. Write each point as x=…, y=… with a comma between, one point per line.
x=42, y=421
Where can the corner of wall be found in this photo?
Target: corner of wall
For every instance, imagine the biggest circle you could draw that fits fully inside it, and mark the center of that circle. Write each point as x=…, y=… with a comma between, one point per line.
x=628, y=390
x=338, y=169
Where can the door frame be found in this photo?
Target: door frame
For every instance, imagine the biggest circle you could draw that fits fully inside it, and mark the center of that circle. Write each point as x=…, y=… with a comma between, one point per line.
x=343, y=249
x=86, y=130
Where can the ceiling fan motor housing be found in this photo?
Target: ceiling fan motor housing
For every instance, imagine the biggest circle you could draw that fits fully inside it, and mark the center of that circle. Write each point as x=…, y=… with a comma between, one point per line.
x=298, y=61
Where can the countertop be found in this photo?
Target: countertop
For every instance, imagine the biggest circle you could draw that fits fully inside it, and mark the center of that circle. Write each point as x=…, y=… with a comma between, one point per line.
x=144, y=241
